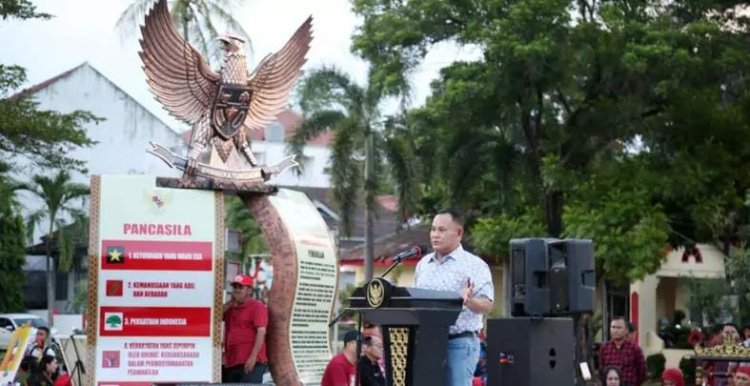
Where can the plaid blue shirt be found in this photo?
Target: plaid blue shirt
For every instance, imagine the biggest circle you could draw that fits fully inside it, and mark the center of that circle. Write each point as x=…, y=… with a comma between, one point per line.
x=452, y=275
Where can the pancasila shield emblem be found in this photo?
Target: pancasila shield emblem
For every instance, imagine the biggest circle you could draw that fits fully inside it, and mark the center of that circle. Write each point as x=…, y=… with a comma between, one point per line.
x=230, y=109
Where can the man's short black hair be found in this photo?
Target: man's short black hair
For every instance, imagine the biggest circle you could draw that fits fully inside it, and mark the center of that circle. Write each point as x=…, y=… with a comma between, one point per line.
x=619, y=318
x=45, y=329
x=730, y=325
x=455, y=214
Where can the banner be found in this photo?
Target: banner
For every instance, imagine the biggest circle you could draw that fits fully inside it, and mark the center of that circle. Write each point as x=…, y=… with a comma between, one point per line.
x=155, y=254
x=316, y=283
x=19, y=342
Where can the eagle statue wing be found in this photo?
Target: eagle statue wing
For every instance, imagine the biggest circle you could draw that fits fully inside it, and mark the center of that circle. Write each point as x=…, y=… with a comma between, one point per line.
x=177, y=74
x=273, y=80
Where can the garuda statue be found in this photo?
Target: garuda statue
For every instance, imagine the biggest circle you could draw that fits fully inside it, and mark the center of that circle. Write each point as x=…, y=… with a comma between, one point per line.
x=221, y=107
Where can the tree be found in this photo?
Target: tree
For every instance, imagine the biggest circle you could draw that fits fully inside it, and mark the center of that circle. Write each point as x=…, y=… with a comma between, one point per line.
x=12, y=248
x=58, y=194
x=196, y=19
x=624, y=122
x=21, y=9
x=568, y=98
x=239, y=218
x=44, y=137
x=331, y=100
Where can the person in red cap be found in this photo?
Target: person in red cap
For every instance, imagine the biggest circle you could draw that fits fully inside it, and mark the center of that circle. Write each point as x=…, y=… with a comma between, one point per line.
x=742, y=376
x=245, y=322
x=672, y=377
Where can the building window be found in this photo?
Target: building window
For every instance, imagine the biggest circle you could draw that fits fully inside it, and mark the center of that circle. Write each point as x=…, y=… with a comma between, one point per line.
x=61, y=286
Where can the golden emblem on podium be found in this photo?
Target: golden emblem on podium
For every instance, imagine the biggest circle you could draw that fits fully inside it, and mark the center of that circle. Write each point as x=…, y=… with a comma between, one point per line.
x=375, y=293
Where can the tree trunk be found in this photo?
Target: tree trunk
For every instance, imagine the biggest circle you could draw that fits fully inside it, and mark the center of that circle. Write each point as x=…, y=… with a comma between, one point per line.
x=553, y=202
x=50, y=276
x=369, y=215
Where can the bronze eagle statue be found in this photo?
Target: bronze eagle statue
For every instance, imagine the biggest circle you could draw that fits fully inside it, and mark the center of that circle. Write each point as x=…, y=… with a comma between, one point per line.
x=221, y=107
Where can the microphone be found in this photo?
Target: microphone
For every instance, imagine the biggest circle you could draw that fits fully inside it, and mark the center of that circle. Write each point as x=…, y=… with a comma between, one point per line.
x=407, y=254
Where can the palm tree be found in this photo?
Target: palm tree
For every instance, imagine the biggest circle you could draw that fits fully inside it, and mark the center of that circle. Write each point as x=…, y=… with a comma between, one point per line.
x=331, y=100
x=197, y=19
x=57, y=193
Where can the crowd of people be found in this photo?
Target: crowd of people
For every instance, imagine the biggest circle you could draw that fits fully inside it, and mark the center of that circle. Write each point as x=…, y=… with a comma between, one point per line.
x=622, y=363
x=723, y=373
x=43, y=363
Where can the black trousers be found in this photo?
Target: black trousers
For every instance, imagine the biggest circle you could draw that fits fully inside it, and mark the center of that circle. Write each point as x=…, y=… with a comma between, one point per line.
x=237, y=374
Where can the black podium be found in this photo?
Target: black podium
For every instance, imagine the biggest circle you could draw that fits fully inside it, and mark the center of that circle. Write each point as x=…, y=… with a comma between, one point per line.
x=415, y=326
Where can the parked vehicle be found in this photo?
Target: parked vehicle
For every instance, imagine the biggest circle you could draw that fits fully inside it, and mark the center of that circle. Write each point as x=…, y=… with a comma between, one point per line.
x=10, y=322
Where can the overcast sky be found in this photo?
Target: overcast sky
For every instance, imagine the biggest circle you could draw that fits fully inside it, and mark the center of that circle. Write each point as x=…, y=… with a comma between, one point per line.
x=84, y=30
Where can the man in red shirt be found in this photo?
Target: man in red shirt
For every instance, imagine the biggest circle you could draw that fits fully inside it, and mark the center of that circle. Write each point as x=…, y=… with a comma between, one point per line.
x=623, y=354
x=245, y=322
x=340, y=370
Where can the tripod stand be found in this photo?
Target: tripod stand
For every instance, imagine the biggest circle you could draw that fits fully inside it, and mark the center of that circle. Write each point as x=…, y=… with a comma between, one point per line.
x=78, y=368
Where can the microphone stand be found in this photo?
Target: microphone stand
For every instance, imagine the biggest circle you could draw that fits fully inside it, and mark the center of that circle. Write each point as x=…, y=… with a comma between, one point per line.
x=390, y=268
x=339, y=316
x=387, y=271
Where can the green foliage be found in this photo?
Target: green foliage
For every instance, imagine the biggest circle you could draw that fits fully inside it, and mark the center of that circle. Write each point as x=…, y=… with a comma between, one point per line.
x=197, y=20
x=624, y=123
x=12, y=250
x=46, y=137
x=331, y=100
x=239, y=218
x=344, y=296
x=491, y=235
x=712, y=296
x=655, y=365
x=708, y=296
x=59, y=194
x=618, y=213
x=738, y=271
x=80, y=297
x=20, y=9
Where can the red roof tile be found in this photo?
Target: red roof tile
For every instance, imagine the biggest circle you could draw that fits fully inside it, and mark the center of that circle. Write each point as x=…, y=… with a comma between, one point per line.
x=390, y=245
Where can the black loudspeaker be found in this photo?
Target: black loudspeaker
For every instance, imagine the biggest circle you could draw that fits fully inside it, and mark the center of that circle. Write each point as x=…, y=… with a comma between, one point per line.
x=581, y=275
x=530, y=352
x=558, y=278
x=552, y=277
x=529, y=277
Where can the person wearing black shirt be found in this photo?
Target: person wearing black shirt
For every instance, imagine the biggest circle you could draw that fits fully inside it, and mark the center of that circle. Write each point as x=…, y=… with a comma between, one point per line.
x=368, y=368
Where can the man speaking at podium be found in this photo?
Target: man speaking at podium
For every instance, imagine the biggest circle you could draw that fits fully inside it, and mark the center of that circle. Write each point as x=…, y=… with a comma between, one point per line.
x=450, y=268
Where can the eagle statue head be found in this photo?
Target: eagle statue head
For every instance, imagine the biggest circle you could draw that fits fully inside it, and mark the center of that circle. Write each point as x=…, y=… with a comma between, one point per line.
x=231, y=43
